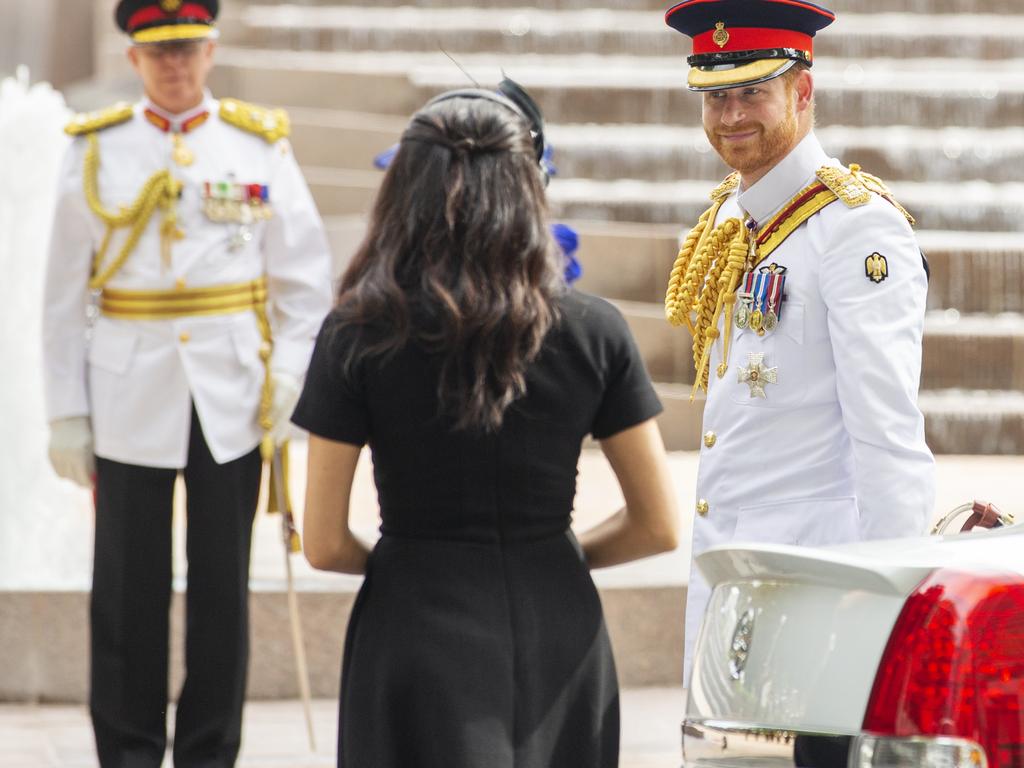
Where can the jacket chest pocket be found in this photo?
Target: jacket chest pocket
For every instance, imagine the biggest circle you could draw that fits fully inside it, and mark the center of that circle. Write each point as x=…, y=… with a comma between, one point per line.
x=769, y=371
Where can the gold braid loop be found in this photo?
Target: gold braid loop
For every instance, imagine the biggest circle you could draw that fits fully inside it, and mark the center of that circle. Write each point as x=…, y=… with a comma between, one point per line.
x=689, y=271
x=735, y=264
x=711, y=265
x=160, y=190
x=677, y=302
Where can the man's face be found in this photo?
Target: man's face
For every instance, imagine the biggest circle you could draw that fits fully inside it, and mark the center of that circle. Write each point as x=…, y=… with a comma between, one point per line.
x=752, y=128
x=174, y=73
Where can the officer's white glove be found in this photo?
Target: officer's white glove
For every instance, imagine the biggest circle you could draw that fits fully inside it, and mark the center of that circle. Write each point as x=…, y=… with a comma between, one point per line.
x=71, y=450
x=287, y=389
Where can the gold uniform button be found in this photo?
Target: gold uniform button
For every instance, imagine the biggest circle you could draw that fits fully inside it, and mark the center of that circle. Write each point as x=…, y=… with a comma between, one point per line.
x=710, y=438
x=703, y=507
x=184, y=336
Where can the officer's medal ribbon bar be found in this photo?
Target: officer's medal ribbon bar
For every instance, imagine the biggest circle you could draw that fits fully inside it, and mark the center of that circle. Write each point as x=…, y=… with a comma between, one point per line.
x=759, y=304
x=229, y=202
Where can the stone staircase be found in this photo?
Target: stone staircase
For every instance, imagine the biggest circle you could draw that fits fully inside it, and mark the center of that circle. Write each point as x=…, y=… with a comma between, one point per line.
x=928, y=94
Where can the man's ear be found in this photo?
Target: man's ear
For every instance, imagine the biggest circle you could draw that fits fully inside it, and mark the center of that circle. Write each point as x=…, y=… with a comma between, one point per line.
x=804, y=87
x=132, y=54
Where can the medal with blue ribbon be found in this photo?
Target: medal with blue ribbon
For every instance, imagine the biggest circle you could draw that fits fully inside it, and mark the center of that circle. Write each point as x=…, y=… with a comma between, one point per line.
x=760, y=302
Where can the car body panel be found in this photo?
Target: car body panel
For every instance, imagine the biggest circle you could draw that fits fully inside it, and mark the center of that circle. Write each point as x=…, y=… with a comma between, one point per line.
x=812, y=624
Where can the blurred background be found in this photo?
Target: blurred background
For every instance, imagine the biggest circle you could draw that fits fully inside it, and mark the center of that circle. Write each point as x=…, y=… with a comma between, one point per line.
x=926, y=94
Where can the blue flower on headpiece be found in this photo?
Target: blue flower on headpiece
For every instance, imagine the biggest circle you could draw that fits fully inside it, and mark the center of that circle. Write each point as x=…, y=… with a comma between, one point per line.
x=547, y=160
x=569, y=241
x=383, y=160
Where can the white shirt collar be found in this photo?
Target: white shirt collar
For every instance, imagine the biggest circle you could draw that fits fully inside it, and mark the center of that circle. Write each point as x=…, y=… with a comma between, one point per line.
x=777, y=187
x=208, y=104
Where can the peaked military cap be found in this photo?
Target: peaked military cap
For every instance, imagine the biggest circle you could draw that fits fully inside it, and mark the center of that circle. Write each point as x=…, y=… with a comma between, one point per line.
x=165, y=21
x=743, y=42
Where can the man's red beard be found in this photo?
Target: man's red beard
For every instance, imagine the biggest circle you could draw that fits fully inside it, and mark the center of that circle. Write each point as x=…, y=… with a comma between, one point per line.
x=763, y=150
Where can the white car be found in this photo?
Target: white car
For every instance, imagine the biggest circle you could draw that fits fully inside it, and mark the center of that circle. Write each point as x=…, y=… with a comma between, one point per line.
x=888, y=654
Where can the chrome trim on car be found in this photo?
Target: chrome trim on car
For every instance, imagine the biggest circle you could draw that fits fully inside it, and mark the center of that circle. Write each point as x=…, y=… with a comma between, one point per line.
x=739, y=648
x=715, y=744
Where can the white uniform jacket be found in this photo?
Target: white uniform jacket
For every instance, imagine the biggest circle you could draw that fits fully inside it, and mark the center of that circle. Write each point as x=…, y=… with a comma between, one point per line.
x=136, y=379
x=835, y=451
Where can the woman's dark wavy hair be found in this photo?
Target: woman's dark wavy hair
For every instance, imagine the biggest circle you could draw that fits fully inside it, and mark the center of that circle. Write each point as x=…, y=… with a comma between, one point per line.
x=458, y=257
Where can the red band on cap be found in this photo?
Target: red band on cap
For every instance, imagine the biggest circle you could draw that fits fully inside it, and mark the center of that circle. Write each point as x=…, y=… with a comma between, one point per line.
x=155, y=13
x=751, y=39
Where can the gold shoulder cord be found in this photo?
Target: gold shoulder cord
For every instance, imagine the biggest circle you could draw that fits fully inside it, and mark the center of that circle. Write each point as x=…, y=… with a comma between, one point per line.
x=704, y=280
x=160, y=190
x=879, y=187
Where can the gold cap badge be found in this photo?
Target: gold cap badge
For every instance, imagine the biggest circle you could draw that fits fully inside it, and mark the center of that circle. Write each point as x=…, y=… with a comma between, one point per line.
x=170, y=6
x=721, y=36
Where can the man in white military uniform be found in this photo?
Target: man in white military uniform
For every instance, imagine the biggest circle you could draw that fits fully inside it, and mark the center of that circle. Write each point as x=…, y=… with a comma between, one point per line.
x=804, y=289
x=185, y=226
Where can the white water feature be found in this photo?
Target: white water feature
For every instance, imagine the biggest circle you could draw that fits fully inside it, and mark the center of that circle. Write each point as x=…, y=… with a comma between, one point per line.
x=45, y=522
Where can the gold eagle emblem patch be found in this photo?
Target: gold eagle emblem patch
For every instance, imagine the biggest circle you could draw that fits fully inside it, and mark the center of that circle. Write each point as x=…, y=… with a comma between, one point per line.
x=876, y=266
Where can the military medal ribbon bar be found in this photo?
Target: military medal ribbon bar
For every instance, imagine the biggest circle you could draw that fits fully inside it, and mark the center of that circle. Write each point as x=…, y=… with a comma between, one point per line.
x=231, y=202
x=760, y=302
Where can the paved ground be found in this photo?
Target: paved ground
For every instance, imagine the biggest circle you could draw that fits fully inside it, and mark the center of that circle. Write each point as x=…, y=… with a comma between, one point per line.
x=275, y=734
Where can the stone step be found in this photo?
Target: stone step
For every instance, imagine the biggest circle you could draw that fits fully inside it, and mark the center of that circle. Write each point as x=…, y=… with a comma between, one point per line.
x=976, y=422
x=668, y=153
x=971, y=272
x=964, y=352
x=975, y=272
x=970, y=206
x=46, y=639
x=841, y=7
x=582, y=31
x=957, y=422
x=340, y=139
x=581, y=89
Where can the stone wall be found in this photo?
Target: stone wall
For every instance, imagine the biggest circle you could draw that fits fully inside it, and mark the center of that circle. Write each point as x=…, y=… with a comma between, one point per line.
x=53, y=38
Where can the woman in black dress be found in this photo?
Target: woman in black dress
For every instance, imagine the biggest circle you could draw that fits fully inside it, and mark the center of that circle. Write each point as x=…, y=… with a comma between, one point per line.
x=457, y=353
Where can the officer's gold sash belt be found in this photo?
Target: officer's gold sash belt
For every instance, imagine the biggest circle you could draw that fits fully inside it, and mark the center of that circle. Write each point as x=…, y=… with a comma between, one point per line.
x=198, y=302
x=184, y=302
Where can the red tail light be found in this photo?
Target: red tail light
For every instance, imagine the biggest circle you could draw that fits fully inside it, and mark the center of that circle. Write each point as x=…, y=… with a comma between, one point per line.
x=954, y=666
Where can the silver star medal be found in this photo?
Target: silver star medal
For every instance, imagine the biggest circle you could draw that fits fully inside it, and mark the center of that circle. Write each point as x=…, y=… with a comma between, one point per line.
x=756, y=375
x=244, y=233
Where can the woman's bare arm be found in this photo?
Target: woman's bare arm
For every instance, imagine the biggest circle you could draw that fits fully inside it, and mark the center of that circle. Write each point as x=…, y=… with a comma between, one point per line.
x=649, y=523
x=329, y=543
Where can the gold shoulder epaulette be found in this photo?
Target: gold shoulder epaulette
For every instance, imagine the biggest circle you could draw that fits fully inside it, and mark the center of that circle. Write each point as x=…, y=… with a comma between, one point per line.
x=724, y=189
x=271, y=124
x=845, y=184
x=854, y=187
x=90, y=122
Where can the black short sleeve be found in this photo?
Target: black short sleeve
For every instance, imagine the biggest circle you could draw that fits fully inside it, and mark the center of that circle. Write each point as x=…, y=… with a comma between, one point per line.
x=629, y=397
x=333, y=404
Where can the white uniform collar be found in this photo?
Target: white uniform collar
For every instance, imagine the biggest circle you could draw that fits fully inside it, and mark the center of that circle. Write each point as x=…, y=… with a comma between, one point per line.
x=208, y=104
x=777, y=187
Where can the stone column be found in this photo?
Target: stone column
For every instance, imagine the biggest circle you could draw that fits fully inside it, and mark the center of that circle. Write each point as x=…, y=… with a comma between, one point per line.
x=52, y=37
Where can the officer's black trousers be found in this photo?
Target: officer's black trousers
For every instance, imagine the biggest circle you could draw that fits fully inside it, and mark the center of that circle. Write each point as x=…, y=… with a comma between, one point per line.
x=131, y=600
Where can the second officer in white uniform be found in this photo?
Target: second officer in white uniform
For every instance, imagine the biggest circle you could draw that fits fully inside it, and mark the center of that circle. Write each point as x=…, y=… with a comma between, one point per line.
x=805, y=289
x=184, y=224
